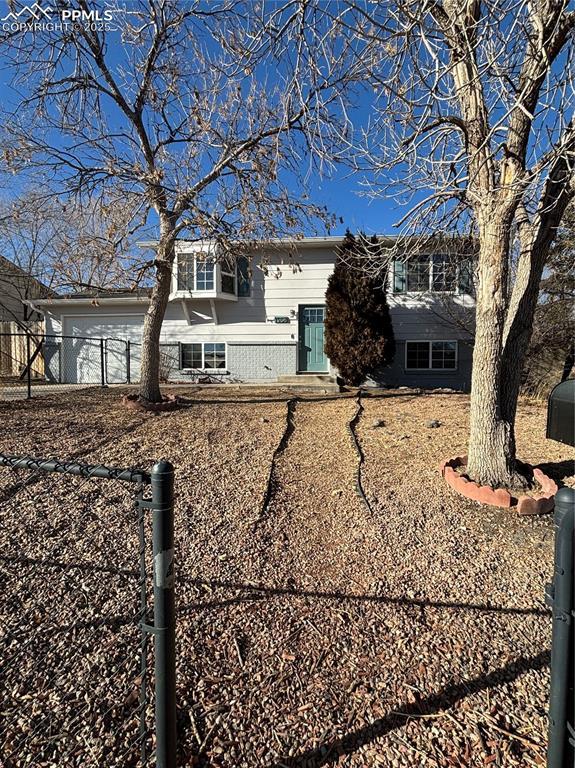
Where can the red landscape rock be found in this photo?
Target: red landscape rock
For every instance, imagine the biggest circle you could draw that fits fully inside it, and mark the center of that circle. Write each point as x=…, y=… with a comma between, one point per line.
x=499, y=497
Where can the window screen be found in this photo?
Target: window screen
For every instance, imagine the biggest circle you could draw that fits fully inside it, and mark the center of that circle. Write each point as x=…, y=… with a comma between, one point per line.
x=444, y=273
x=186, y=272
x=417, y=354
x=191, y=355
x=418, y=273
x=214, y=355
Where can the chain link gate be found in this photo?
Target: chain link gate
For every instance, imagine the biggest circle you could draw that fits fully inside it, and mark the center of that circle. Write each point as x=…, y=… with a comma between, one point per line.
x=69, y=692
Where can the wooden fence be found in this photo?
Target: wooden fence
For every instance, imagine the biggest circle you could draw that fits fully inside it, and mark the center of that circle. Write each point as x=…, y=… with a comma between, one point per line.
x=14, y=349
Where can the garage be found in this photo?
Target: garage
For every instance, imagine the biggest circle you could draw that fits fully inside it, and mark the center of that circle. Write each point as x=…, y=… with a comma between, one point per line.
x=111, y=342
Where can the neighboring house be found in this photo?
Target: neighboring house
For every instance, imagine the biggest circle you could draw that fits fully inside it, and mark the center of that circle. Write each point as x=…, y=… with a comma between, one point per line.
x=16, y=288
x=244, y=322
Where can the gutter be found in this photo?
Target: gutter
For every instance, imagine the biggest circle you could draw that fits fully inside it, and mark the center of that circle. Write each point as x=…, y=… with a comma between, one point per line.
x=93, y=301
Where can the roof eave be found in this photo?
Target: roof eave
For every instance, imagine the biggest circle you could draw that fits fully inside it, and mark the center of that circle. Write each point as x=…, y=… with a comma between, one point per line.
x=66, y=302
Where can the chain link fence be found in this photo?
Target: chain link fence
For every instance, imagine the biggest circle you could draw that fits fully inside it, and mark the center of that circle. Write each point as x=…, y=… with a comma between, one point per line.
x=35, y=363
x=86, y=565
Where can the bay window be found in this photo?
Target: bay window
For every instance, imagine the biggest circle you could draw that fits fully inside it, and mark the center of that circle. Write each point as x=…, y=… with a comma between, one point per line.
x=205, y=275
x=199, y=272
x=195, y=272
x=186, y=271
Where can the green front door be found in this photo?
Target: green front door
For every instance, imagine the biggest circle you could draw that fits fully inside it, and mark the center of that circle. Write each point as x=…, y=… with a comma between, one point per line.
x=311, y=354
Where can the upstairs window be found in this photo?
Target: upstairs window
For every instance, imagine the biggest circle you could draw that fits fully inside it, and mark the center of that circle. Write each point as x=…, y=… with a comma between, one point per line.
x=205, y=275
x=195, y=272
x=186, y=271
x=439, y=273
x=443, y=273
x=418, y=273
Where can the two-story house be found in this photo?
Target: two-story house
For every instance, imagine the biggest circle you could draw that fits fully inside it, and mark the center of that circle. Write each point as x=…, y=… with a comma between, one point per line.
x=262, y=318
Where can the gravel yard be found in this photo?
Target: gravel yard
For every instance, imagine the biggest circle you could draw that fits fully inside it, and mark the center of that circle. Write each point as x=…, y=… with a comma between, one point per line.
x=314, y=630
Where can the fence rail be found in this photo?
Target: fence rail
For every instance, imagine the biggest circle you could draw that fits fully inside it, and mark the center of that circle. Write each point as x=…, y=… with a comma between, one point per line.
x=76, y=688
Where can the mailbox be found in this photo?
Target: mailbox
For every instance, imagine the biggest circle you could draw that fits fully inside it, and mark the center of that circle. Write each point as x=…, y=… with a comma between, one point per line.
x=561, y=413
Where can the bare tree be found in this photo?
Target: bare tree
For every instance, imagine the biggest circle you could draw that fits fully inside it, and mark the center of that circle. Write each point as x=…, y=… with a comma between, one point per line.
x=200, y=114
x=66, y=245
x=551, y=356
x=473, y=121
x=27, y=233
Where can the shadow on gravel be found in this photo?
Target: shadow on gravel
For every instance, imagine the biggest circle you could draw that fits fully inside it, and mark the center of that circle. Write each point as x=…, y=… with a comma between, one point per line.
x=261, y=593
x=311, y=398
x=331, y=752
x=61, y=566
x=558, y=470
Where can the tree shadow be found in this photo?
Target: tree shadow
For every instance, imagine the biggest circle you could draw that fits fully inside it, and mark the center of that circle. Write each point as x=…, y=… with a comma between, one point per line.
x=558, y=470
x=292, y=394
x=255, y=592
x=330, y=752
x=61, y=566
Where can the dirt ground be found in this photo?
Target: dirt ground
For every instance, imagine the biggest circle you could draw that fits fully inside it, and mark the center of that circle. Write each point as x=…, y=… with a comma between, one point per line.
x=314, y=629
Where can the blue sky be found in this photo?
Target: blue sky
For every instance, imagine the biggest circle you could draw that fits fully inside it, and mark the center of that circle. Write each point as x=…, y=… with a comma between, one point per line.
x=340, y=194
x=339, y=191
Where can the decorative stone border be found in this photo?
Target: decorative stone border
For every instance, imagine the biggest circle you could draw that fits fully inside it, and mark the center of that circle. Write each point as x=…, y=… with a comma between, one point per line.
x=169, y=403
x=499, y=497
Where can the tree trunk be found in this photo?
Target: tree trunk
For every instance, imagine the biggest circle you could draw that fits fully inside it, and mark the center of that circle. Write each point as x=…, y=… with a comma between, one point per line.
x=491, y=454
x=519, y=324
x=150, y=365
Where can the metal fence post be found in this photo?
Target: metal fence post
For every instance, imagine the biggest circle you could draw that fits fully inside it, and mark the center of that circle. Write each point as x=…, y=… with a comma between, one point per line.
x=162, y=478
x=128, y=371
x=28, y=366
x=102, y=363
x=560, y=751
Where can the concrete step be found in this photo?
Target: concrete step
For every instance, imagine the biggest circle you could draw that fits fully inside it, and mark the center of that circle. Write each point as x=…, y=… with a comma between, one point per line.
x=310, y=381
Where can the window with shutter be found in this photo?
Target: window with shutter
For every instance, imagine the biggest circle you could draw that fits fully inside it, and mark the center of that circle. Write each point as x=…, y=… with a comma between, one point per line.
x=399, y=285
x=243, y=276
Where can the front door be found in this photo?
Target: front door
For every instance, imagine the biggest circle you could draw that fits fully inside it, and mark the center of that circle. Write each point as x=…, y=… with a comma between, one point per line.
x=311, y=355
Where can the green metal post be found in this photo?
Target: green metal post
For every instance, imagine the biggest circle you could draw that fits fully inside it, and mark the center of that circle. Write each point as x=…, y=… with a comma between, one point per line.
x=28, y=366
x=102, y=363
x=560, y=753
x=162, y=478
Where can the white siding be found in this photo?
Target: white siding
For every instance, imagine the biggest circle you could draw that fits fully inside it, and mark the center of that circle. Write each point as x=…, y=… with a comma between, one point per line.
x=287, y=284
x=428, y=316
x=284, y=288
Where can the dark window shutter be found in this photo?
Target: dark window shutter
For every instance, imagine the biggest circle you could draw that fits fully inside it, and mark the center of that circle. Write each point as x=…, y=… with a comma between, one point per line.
x=243, y=276
x=466, y=278
x=399, y=274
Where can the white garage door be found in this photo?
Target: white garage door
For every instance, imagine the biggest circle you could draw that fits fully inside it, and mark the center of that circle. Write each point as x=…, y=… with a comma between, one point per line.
x=82, y=348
